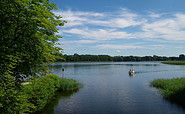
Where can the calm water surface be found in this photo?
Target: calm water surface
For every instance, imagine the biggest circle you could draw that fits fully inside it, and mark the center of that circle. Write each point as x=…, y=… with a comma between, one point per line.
x=107, y=88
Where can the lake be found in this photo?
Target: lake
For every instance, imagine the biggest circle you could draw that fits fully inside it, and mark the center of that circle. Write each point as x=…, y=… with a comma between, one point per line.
x=108, y=89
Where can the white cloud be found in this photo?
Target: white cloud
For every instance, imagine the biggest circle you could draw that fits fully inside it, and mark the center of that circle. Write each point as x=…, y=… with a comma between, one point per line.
x=81, y=42
x=124, y=12
x=168, y=28
x=123, y=23
x=118, y=51
x=99, y=34
x=78, y=18
x=121, y=19
x=155, y=15
x=95, y=27
x=86, y=41
x=180, y=19
x=156, y=47
x=107, y=46
x=171, y=28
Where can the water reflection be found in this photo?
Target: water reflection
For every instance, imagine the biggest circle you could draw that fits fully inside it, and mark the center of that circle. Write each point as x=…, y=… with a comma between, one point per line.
x=49, y=108
x=108, y=88
x=131, y=76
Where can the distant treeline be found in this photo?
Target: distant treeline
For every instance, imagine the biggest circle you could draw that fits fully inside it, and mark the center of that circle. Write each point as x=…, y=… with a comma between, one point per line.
x=105, y=58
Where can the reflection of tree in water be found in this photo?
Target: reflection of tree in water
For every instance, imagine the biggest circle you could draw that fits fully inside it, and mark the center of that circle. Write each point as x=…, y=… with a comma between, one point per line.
x=142, y=64
x=49, y=108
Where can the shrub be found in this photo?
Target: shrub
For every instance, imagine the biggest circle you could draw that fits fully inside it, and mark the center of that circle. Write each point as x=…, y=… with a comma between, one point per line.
x=41, y=90
x=13, y=99
x=33, y=96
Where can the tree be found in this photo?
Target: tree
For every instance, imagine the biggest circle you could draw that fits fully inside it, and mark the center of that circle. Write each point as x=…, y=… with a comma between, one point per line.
x=27, y=41
x=181, y=57
x=27, y=37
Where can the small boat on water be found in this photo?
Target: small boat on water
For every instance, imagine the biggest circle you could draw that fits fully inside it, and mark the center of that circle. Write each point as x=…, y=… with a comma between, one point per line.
x=131, y=72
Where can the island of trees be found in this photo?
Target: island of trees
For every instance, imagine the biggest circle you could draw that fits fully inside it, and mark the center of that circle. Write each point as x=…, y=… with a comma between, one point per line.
x=106, y=58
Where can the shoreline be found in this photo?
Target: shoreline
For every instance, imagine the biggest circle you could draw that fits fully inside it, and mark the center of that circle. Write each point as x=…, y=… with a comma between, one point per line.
x=172, y=90
x=174, y=63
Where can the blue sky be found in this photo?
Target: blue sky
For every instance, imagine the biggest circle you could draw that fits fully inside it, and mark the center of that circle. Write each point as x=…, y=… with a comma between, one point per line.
x=122, y=27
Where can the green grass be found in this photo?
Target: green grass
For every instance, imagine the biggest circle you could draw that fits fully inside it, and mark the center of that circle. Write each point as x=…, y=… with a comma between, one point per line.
x=69, y=84
x=172, y=89
x=43, y=89
x=175, y=63
x=35, y=95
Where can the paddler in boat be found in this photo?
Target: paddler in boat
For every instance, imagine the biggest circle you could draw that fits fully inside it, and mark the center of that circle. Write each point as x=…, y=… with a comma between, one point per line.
x=131, y=72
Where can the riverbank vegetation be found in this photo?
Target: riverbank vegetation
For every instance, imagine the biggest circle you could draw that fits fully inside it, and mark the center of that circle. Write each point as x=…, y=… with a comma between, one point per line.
x=175, y=63
x=48, y=109
x=35, y=95
x=107, y=58
x=28, y=41
x=172, y=89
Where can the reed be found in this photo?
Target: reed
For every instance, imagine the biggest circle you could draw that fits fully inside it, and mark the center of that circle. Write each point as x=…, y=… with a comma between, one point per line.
x=175, y=62
x=172, y=89
x=69, y=84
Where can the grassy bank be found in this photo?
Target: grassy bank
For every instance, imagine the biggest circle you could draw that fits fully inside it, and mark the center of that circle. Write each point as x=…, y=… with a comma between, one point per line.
x=172, y=89
x=175, y=63
x=35, y=95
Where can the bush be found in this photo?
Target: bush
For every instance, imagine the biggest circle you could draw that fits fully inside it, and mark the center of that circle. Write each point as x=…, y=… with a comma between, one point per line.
x=41, y=90
x=33, y=96
x=12, y=99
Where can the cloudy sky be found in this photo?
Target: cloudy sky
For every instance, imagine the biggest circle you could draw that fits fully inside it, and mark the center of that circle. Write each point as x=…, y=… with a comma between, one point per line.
x=122, y=27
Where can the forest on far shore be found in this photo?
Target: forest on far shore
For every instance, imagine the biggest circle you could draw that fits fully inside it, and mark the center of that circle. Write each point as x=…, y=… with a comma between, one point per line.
x=106, y=58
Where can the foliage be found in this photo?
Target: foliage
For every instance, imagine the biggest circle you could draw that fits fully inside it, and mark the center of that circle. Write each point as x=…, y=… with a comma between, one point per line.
x=106, y=58
x=175, y=63
x=27, y=41
x=172, y=89
x=27, y=37
x=181, y=57
x=12, y=99
x=41, y=90
x=34, y=96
